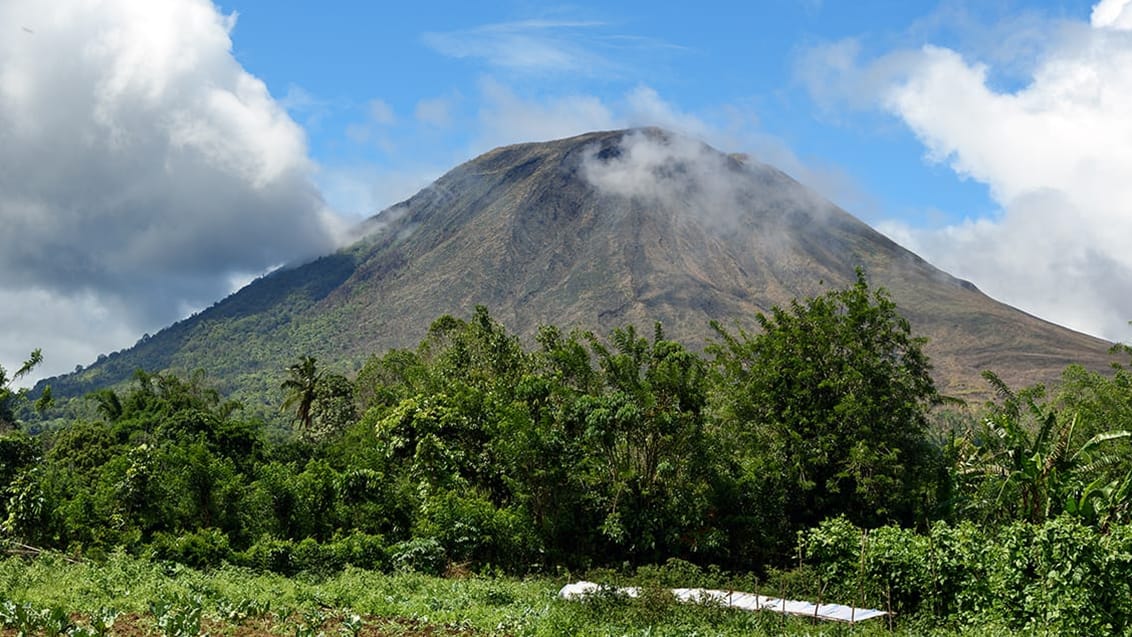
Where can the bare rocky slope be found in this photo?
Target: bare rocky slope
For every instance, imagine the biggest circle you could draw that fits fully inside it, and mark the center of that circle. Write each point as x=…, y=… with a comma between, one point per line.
x=593, y=231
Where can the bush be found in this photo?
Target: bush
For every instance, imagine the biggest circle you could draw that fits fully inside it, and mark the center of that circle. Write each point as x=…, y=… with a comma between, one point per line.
x=833, y=548
x=361, y=550
x=1060, y=575
x=270, y=554
x=205, y=548
x=897, y=559
x=288, y=557
x=472, y=529
x=420, y=554
x=308, y=555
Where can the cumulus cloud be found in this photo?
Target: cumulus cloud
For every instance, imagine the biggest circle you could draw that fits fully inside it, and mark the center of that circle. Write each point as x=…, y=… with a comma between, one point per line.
x=1056, y=155
x=1112, y=13
x=141, y=169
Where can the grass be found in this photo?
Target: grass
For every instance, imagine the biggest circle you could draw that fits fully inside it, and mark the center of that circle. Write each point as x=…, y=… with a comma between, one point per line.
x=144, y=598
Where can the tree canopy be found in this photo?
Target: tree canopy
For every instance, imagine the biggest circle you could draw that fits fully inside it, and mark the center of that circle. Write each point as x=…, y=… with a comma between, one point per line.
x=834, y=392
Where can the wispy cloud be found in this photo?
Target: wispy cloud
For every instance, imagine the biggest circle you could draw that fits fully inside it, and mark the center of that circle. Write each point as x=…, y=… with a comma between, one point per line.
x=379, y=117
x=436, y=111
x=305, y=107
x=507, y=118
x=547, y=46
x=381, y=112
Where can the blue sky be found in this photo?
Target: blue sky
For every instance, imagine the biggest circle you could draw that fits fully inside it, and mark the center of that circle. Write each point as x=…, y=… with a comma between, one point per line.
x=157, y=154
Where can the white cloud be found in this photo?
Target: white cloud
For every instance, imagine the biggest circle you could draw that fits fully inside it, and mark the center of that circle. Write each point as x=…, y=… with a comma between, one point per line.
x=506, y=118
x=363, y=190
x=646, y=108
x=1112, y=13
x=141, y=168
x=379, y=117
x=672, y=171
x=1056, y=154
x=71, y=329
x=682, y=174
x=435, y=112
x=381, y=112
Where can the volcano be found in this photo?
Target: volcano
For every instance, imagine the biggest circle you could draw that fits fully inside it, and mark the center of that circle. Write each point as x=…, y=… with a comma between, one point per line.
x=594, y=231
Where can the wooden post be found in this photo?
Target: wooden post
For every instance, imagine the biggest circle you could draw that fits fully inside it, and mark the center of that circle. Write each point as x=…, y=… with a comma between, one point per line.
x=782, y=600
x=888, y=588
x=931, y=572
x=817, y=608
x=860, y=579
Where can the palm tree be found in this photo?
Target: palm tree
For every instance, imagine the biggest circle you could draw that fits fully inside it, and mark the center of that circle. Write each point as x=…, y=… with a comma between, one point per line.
x=301, y=387
x=8, y=396
x=108, y=403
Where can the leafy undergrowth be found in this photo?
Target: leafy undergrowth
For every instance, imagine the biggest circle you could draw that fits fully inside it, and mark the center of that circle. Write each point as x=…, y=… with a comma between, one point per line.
x=134, y=624
x=127, y=596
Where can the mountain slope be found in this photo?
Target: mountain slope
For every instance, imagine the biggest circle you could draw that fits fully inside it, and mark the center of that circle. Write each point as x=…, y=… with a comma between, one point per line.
x=593, y=231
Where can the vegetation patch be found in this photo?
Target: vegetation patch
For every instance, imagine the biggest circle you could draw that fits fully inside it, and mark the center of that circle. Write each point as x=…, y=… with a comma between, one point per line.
x=813, y=459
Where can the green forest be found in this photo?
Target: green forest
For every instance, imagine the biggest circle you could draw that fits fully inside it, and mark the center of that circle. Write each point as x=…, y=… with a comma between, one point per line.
x=812, y=457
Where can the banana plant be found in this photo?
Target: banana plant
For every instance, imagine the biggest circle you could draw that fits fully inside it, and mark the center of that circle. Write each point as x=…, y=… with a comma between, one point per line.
x=1018, y=461
x=1107, y=498
x=1024, y=463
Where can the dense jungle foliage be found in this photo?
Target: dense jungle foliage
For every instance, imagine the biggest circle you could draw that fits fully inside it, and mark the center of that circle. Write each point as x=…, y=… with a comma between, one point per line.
x=814, y=454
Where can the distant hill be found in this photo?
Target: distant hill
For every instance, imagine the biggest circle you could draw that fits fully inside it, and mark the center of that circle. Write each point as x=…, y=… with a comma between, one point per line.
x=593, y=231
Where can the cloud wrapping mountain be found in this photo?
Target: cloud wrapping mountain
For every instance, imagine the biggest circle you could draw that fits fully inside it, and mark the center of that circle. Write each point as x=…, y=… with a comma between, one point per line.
x=142, y=169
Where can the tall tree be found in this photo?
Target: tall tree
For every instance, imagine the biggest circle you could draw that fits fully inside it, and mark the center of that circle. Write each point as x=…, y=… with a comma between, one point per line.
x=646, y=462
x=301, y=390
x=832, y=397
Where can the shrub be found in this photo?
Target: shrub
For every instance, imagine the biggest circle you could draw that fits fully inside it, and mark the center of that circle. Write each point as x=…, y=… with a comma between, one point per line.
x=362, y=551
x=420, y=554
x=270, y=554
x=472, y=529
x=897, y=560
x=204, y=548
